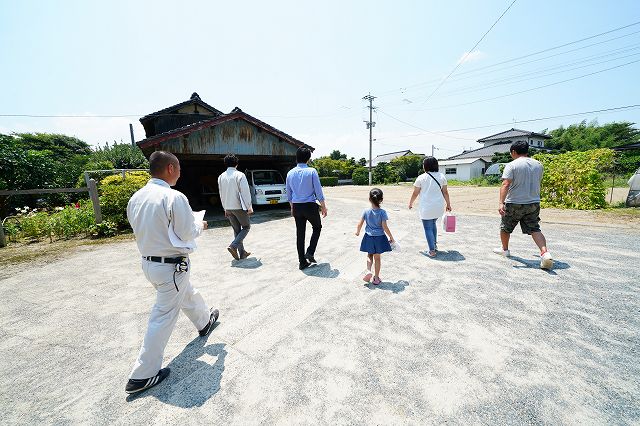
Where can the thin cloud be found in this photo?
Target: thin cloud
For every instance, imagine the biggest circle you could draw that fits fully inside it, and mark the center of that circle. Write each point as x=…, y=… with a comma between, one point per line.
x=471, y=57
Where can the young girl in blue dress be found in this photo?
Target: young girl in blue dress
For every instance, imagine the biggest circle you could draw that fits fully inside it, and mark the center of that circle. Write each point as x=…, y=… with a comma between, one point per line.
x=374, y=242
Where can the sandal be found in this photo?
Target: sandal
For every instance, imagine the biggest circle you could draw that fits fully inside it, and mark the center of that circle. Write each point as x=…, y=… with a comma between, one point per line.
x=367, y=277
x=376, y=281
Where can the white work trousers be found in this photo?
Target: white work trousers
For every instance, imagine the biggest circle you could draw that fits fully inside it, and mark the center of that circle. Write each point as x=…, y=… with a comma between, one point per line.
x=164, y=314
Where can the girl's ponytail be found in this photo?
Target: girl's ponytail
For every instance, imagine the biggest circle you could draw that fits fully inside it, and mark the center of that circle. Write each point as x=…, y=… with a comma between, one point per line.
x=375, y=196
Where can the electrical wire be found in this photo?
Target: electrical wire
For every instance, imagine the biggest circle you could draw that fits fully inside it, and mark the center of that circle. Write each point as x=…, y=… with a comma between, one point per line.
x=531, y=120
x=460, y=62
x=461, y=75
x=530, y=89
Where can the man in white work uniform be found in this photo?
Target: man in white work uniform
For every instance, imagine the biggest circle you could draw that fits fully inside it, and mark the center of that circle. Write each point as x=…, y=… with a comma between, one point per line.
x=236, y=202
x=152, y=211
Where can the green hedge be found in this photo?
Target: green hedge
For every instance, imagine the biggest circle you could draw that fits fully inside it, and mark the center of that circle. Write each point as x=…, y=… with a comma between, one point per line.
x=574, y=179
x=329, y=181
x=115, y=193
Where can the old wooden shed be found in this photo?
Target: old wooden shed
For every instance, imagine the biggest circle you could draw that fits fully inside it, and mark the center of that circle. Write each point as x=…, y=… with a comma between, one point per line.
x=200, y=136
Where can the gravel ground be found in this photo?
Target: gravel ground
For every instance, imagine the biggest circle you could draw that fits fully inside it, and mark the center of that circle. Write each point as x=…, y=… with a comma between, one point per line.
x=468, y=337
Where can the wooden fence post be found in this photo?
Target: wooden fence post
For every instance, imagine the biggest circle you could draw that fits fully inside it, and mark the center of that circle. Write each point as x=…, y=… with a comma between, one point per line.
x=3, y=241
x=93, y=193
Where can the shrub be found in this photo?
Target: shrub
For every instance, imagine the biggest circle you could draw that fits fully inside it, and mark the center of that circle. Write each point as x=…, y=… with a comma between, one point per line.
x=574, y=179
x=361, y=176
x=72, y=220
x=328, y=181
x=408, y=166
x=98, y=176
x=104, y=229
x=384, y=173
x=115, y=193
x=63, y=222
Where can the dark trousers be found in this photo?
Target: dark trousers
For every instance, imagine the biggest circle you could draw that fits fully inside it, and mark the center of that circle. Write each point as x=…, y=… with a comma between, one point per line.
x=303, y=212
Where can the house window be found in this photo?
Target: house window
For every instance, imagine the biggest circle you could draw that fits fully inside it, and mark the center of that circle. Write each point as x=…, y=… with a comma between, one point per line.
x=451, y=171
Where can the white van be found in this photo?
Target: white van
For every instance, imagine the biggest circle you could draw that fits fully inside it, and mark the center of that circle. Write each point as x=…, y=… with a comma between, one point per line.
x=266, y=186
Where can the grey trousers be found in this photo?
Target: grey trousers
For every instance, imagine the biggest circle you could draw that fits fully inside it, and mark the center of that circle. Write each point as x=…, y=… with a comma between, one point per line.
x=241, y=224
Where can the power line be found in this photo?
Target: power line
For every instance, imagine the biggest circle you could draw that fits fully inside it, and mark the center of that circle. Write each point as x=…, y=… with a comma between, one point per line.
x=604, y=110
x=468, y=53
x=531, y=89
x=471, y=71
x=537, y=73
x=424, y=130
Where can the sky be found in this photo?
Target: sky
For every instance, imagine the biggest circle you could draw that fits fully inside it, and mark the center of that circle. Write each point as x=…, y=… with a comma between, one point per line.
x=304, y=67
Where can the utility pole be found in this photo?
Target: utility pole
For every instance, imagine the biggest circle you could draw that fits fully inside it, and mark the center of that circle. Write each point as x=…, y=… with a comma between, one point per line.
x=433, y=149
x=133, y=141
x=370, y=126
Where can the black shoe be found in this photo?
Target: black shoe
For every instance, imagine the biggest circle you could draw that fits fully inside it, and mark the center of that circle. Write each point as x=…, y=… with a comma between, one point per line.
x=304, y=265
x=212, y=320
x=310, y=258
x=138, y=385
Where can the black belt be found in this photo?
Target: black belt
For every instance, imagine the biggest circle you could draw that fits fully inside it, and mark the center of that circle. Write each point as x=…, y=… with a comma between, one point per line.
x=165, y=259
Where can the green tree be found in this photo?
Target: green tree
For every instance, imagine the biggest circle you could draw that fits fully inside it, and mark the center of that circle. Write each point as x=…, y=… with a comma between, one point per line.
x=121, y=155
x=61, y=147
x=384, y=173
x=408, y=166
x=362, y=162
x=337, y=155
x=585, y=136
x=360, y=176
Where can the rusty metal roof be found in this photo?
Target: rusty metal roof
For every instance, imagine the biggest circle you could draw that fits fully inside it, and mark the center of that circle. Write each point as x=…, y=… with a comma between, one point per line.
x=236, y=113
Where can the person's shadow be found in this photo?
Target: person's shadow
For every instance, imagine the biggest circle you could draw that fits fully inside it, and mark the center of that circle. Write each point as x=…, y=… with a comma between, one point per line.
x=449, y=256
x=322, y=270
x=535, y=264
x=194, y=378
x=395, y=288
x=248, y=263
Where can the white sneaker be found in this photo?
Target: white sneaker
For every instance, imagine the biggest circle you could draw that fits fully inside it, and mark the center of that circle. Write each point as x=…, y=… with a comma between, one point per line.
x=505, y=253
x=546, y=261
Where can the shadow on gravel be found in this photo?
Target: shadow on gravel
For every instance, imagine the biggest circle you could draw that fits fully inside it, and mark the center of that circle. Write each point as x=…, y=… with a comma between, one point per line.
x=203, y=377
x=535, y=264
x=248, y=263
x=396, y=287
x=322, y=270
x=448, y=256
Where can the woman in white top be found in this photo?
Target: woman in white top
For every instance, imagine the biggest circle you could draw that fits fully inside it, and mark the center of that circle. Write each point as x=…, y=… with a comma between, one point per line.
x=434, y=199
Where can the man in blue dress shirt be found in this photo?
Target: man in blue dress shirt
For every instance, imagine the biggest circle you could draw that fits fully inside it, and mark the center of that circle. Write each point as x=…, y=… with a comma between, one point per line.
x=303, y=190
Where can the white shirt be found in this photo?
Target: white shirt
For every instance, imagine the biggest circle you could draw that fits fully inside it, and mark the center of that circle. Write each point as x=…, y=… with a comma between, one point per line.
x=432, y=203
x=232, y=185
x=155, y=207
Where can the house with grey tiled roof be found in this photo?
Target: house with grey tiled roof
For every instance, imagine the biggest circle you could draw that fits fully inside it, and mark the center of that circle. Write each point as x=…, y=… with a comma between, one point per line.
x=460, y=167
x=385, y=158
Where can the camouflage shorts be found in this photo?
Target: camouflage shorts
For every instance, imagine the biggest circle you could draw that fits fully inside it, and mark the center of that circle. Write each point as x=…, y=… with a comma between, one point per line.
x=527, y=214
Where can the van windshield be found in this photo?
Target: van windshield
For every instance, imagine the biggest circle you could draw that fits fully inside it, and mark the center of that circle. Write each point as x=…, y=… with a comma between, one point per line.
x=267, y=177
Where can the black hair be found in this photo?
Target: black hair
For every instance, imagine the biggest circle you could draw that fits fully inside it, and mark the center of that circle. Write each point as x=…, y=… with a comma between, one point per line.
x=430, y=164
x=230, y=160
x=303, y=154
x=375, y=196
x=520, y=147
x=159, y=160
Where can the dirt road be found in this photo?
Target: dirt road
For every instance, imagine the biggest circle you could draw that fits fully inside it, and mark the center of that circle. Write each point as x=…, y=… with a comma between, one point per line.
x=484, y=201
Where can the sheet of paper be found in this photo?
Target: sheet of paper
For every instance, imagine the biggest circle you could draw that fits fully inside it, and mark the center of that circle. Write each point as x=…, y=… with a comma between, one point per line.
x=177, y=242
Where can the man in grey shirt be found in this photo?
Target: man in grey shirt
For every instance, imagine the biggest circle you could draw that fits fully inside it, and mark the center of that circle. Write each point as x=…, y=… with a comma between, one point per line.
x=520, y=201
x=236, y=201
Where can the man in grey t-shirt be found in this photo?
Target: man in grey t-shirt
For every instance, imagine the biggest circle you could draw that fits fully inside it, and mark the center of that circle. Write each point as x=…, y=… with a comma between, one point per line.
x=520, y=201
